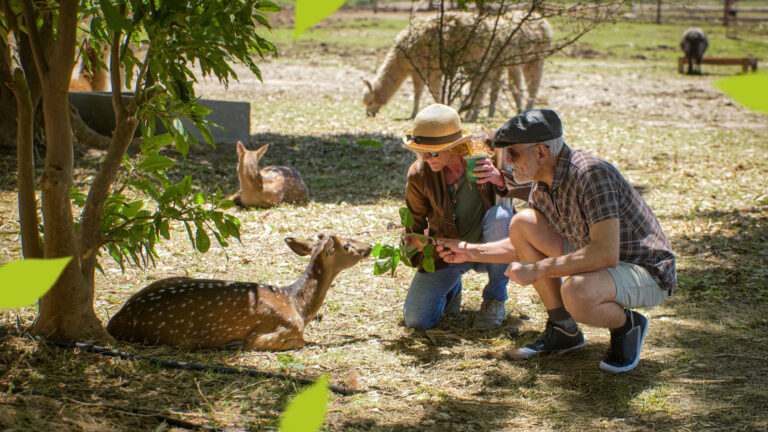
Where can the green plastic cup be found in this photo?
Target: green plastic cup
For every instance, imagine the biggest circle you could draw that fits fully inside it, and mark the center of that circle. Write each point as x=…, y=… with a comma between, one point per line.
x=472, y=163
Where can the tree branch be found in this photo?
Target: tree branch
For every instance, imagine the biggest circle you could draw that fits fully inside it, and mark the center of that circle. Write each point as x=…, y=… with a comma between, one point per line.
x=35, y=41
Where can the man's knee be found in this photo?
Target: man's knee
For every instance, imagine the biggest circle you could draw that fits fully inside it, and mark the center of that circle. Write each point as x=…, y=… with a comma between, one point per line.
x=579, y=297
x=521, y=222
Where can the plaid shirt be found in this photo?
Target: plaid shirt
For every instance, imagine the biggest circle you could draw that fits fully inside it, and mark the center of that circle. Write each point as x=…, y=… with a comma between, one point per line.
x=587, y=190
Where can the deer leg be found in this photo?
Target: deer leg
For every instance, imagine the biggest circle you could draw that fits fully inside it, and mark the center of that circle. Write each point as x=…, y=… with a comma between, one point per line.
x=281, y=339
x=533, y=72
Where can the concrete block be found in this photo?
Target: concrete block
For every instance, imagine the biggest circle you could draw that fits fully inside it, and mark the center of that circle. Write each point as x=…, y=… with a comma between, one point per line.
x=234, y=117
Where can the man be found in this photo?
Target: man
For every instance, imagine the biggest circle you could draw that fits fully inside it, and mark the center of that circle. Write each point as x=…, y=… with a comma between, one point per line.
x=584, y=223
x=445, y=203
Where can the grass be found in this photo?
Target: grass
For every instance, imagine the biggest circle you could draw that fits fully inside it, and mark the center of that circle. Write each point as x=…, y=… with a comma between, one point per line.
x=698, y=159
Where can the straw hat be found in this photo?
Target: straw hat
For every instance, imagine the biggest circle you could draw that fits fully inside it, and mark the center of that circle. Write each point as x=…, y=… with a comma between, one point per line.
x=436, y=128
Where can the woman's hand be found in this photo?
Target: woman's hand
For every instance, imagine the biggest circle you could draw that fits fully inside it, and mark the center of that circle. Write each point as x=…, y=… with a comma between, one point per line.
x=411, y=242
x=486, y=172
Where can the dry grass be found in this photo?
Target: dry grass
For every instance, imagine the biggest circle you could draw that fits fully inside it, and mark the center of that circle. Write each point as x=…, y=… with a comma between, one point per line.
x=699, y=160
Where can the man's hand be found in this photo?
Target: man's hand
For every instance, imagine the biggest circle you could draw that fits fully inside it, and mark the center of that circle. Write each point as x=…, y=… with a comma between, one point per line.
x=452, y=251
x=522, y=273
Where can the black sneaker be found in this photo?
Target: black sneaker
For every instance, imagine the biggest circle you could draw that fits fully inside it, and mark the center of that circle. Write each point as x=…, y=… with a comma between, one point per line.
x=625, y=349
x=554, y=340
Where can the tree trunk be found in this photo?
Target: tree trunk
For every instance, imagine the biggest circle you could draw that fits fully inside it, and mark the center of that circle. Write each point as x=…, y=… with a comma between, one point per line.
x=66, y=311
x=30, y=234
x=7, y=100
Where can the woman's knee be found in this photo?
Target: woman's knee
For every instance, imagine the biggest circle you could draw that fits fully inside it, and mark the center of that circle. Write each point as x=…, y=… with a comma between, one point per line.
x=418, y=321
x=496, y=223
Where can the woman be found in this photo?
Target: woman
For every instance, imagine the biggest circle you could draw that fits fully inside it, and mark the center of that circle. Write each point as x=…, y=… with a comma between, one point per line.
x=445, y=203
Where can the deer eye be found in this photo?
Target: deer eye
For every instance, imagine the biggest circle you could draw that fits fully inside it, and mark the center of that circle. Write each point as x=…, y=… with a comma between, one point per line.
x=347, y=246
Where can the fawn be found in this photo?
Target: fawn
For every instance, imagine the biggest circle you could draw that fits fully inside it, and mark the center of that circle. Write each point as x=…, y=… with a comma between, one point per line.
x=200, y=313
x=265, y=187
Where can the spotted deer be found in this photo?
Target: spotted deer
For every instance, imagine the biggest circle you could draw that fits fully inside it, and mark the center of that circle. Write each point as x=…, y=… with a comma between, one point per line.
x=266, y=187
x=201, y=313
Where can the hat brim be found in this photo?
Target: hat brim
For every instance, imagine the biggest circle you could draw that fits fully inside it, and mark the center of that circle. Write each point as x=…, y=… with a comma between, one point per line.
x=407, y=142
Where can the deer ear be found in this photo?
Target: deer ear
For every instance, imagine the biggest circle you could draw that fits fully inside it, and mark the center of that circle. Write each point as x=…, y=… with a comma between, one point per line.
x=300, y=247
x=260, y=152
x=240, y=149
x=367, y=84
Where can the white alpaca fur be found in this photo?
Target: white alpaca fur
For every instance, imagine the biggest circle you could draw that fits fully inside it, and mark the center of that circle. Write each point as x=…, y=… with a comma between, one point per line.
x=415, y=54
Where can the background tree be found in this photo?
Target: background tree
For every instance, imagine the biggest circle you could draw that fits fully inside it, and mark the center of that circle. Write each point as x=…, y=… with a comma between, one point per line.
x=157, y=44
x=471, y=60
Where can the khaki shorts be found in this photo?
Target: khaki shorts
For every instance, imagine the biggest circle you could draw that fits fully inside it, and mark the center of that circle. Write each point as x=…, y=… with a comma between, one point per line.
x=635, y=288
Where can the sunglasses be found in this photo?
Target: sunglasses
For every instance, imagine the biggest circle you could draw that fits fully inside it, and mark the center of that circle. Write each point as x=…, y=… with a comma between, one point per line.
x=514, y=155
x=431, y=154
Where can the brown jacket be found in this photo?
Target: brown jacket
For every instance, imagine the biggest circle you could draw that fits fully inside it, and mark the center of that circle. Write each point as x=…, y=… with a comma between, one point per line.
x=426, y=196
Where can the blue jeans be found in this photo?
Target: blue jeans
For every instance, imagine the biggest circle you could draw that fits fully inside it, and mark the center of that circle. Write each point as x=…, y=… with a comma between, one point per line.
x=431, y=293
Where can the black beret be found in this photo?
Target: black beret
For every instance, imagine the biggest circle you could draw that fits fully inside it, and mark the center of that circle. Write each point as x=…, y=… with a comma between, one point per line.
x=532, y=126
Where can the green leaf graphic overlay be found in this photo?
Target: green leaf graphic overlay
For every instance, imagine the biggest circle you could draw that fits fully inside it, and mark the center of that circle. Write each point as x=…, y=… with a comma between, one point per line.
x=749, y=90
x=25, y=281
x=306, y=412
x=310, y=12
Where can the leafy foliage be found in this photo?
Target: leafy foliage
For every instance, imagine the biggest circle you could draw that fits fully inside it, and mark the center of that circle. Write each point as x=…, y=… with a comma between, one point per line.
x=158, y=45
x=146, y=201
x=389, y=256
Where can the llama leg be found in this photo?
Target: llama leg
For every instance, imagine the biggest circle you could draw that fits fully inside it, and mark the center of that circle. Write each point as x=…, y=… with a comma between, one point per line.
x=515, y=77
x=494, y=93
x=533, y=74
x=418, y=89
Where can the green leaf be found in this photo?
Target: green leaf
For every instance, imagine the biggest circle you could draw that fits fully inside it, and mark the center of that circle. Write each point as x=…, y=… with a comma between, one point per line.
x=748, y=90
x=202, y=241
x=306, y=412
x=25, y=281
x=310, y=12
x=156, y=163
x=199, y=198
x=115, y=20
x=157, y=141
x=267, y=6
x=428, y=262
x=406, y=217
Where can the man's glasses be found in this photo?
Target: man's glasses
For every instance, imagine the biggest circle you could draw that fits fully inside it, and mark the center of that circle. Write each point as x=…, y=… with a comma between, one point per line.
x=431, y=154
x=514, y=155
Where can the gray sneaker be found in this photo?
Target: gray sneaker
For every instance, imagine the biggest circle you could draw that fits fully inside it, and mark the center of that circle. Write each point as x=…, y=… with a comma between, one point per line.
x=492, y=313
x=455, y=306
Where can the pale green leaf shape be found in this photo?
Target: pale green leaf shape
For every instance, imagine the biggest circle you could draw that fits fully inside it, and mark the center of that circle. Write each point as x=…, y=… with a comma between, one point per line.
x=748, y=90
x=311, y=12
x=306, y=412
x=25, y=281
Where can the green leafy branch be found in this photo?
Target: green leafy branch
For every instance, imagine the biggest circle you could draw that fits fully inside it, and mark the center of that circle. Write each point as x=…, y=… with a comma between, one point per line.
x=139, y=212
x=389, y=256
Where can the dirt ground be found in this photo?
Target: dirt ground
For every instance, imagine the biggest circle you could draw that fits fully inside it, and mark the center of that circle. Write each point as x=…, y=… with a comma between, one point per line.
x=450, y=378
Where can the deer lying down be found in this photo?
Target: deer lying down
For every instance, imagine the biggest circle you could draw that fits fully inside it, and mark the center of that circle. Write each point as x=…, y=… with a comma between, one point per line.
x=265, y=187
x=200, y=313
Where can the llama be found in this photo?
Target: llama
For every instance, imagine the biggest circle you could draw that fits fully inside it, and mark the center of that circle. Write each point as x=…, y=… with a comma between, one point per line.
x=414, y=54
x=201, y=313
x=693, y=44
x=266, y=187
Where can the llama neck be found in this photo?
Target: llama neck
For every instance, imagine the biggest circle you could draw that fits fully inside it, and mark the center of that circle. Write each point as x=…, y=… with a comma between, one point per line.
x=310, y=288
x=391, y=74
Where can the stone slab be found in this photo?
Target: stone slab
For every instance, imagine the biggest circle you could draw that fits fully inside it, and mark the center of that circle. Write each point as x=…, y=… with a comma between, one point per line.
x=234, y=117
